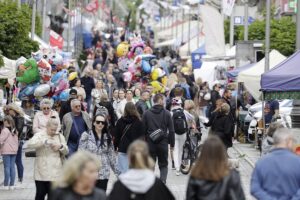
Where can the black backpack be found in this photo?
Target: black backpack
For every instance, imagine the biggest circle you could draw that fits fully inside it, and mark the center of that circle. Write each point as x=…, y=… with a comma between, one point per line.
x=179, y=121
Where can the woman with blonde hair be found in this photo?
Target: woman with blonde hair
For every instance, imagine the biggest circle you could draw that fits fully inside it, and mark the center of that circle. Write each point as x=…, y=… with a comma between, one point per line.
x=211, y=178
x=42, y=117
x=80, y=173
x=51, y=148
x=190, y=107
x=139, y=182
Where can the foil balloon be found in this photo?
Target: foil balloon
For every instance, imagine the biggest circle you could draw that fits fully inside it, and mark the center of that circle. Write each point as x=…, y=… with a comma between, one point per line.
x=72, y=76
x=127, y=77
x=27, y=91
x=44, y=70
x=131, y=68
x=155, y=74
x=42, y=90
x=146, y=67
x=28, y=72
x=122, y=49
x=124, y=63
x=64, y=95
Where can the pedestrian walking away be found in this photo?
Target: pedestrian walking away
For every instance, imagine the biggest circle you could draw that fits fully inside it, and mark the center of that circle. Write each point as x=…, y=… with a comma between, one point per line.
x=159, y=130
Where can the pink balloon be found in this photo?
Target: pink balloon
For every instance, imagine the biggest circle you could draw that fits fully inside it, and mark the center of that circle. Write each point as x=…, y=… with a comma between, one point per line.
x=127, y=76
x=131, y=68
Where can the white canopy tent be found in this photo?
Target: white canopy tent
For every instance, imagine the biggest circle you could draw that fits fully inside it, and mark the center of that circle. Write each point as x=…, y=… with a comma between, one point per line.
x=8, y=71
x=207, y=72
x=252, y=76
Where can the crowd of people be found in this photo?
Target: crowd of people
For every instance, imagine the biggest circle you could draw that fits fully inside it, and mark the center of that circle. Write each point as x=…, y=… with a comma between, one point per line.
x=109, y=125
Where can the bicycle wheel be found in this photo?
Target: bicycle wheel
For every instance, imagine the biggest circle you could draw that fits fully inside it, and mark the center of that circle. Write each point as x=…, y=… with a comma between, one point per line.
x=186, y=163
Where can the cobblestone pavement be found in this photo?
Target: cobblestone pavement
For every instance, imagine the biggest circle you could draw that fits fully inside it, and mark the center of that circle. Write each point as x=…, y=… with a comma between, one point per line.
x=177, y=184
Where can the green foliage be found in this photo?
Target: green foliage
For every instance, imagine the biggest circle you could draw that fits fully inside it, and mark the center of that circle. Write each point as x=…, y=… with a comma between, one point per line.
x=283, y=34
x=1, y=61
x=237, y=31
x=132, y=6
x=15, y=25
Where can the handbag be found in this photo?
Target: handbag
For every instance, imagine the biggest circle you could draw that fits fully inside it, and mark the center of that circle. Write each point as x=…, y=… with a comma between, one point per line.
x=158, y=135
x=30, y=154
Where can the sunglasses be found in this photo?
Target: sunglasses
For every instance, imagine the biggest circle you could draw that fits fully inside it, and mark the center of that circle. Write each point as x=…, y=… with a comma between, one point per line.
x=46, y=108
x=100, y=122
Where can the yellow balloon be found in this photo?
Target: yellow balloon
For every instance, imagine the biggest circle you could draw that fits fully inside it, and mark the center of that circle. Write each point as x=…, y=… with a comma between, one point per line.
x=157, y=87
x=72, y=76
x=155, y=74
x=164, y=80
x=122, y=49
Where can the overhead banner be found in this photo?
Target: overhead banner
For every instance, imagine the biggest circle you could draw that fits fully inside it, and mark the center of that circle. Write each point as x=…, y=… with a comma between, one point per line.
x=56, y=40
x=228, y=7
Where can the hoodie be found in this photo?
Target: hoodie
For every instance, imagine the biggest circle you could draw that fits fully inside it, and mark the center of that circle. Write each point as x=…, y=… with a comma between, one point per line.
x=138, y=180
x=135, y=131
x=140, y=184
x=159, y=118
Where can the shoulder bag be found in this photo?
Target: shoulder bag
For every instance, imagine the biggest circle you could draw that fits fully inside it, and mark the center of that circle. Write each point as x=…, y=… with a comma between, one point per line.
x=158, y=135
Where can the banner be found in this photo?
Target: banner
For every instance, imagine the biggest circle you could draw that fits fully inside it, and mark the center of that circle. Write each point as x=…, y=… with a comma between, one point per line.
x=56, y=40
x=228, y=7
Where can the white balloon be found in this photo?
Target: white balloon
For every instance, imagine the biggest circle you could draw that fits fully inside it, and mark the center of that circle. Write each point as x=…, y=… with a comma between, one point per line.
x=42, y=90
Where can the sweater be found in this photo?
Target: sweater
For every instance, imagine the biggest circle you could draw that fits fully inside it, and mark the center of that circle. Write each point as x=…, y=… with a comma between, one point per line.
x=124, y=139
x=277, y=176
x=8, y=142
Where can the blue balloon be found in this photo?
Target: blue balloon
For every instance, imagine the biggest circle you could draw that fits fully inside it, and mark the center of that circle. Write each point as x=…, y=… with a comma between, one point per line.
x=64, y=96
x=27, y=90
x=63, y=74
x=146, y=67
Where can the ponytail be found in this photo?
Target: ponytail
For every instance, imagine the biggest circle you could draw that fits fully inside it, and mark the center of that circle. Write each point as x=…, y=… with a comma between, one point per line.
x=139, y=158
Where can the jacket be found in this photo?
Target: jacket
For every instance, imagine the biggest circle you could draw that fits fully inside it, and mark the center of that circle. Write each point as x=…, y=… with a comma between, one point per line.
x=19, y=122
x=229, y=188
x=135, y=131
x=140, y=184
x=69, y=194
x=48, y=163
x=222, y=126
x=40, y=121
x=141, y=106
x=105, y=154
x=214, y=96
x=8, y=142
x=89, y=84
x=68, y=121
x=120, y=108
x=66, y=108
x=158, y=117
x=276, y=176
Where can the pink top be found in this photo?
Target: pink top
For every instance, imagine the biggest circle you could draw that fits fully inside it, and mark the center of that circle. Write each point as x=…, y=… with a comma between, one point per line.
x=40, y=121
x=8, y=142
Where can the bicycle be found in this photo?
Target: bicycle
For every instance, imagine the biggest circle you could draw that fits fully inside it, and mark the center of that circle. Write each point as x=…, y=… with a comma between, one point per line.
x=191, y=151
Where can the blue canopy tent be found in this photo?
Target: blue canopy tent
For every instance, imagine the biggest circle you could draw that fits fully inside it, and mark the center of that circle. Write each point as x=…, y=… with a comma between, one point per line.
x=234, y=73
x=196, y=57
x=283, y=81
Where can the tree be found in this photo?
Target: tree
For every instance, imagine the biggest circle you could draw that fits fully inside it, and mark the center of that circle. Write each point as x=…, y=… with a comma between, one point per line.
x=282, y=37
x=237, y=30
x=15, y=25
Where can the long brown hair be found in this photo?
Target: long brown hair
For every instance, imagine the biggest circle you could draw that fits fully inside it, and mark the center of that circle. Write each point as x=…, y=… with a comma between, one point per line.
x=212, y=164
x=131, y=111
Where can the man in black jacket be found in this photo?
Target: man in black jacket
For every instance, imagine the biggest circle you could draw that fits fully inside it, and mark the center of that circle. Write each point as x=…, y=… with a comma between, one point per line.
x=215, y=95
x=141, y=105
x=89, y=84
x=159, y=118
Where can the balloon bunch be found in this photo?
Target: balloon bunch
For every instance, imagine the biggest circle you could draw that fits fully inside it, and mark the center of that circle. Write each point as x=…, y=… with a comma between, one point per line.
x=139, y=64
x=43, y=75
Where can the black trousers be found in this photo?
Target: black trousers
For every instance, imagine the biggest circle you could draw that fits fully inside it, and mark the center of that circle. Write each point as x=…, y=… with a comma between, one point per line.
x=43, y=188
x=160, y=153
x=102, y=184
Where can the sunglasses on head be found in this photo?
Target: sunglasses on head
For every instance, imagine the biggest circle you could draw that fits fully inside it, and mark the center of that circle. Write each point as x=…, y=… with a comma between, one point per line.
x=102, y=122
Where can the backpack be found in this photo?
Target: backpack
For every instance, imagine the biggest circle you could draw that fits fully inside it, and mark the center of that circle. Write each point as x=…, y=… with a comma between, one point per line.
x=179, y=121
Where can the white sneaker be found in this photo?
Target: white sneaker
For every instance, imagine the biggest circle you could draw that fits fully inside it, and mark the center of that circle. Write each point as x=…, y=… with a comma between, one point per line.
x=12, y=187
x=178, y=173
x=4, y=187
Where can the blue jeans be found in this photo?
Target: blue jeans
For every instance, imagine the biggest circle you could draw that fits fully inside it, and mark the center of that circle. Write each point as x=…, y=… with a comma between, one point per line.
x=19, y=163
x=9, y=169
x=123, y=162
